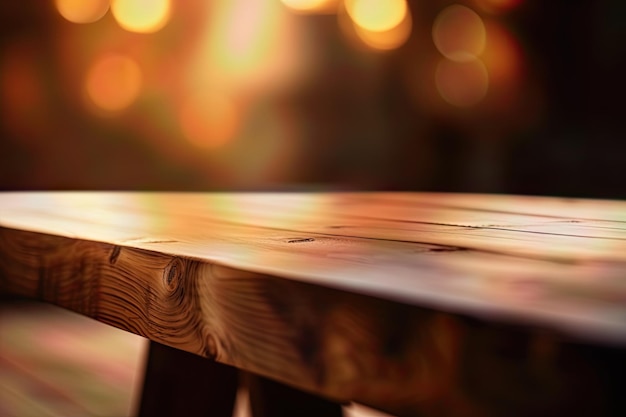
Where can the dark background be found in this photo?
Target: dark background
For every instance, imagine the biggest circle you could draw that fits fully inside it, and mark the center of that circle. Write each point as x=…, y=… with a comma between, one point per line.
x=564, y=135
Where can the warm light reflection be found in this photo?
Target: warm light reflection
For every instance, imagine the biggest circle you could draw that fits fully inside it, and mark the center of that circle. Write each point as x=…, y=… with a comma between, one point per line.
x=377, y=15
x=459, y=33
x=101, y=211
x=143, y=16
x=113, y=82
x=274, y=210
x=82, y=11
x=462, y=84
x=312, y=6
x=388, y=39
x=209, y=121
x=498, y=5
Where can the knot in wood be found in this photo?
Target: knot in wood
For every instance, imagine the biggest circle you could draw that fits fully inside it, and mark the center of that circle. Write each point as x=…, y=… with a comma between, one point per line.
x=172, y=273
x=210, y=350
x=115, y=253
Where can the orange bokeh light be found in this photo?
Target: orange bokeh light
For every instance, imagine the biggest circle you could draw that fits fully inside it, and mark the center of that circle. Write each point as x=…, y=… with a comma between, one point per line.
x=82, y=11
x=210, y=120
x=503, y=55
x=312, y=6
x=143, y=16
x=503, y=58
x=462, y=84
x=377, y=15
x=459, y=33
x=113, y=82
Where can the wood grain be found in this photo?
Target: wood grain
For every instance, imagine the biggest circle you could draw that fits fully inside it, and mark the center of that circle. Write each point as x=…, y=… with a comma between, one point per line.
x=334, y=343
x=545, y=261
x=320, y=291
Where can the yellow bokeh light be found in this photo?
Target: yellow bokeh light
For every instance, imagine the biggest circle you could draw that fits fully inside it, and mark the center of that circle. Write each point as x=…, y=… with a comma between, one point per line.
x=82, y=11
x=312, y=6
x=377, y=15
x=209, y=120
x=389, y=39
x=248, y=44
x=459, y=33
x=462, y=84
x=143, y=16
x=113, y=82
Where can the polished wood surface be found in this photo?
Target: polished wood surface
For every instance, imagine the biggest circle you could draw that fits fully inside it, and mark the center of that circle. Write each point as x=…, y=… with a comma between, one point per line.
x=373, y=297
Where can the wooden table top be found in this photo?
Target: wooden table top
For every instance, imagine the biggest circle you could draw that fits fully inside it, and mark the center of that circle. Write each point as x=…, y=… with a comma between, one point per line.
x=284, y=284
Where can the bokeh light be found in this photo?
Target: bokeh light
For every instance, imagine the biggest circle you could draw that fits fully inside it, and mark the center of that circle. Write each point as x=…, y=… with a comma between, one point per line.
x=248, y=46
x=113, y=82
x=459, y=33
x=377, y=15
x=248, y=31
x=312, y=6
x=82, y=11
x=209, y=120
x=143, y=16
x=503, y=55
x=388, y=39
x=462, y=84
x=503, y=58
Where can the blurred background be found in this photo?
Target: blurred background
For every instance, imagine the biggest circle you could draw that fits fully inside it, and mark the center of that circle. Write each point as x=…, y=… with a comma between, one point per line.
x=497, y=96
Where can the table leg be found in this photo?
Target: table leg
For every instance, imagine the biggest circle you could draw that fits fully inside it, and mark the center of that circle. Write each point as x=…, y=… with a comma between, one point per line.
x=178, y=383
x=271, y=399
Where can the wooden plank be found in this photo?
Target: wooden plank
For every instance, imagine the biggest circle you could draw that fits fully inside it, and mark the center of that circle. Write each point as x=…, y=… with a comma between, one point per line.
x=539, y=270
x=147, y=218
x=333, y=343
x=320, y=312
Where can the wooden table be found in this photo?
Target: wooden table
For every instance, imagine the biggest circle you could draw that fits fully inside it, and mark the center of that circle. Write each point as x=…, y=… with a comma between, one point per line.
x=417, y=304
